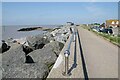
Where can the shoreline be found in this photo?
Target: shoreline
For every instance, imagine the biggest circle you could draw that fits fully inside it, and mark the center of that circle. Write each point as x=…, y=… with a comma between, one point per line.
x=12, y=31
x=22, y=40
x=41, y=49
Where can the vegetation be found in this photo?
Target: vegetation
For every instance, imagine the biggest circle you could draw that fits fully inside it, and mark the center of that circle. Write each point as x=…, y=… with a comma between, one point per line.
x=96, y=24
x=50, y=65
x=113, y=39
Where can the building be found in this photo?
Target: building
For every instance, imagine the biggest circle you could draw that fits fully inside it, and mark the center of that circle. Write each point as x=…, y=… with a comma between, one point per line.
x=113, y=23
x=116, y=31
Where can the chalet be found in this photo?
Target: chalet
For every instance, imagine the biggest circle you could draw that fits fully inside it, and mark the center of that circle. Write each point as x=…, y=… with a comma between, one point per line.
x=112, y=23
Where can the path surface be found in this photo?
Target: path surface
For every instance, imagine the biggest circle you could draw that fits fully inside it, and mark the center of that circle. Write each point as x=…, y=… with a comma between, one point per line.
x=101, y=56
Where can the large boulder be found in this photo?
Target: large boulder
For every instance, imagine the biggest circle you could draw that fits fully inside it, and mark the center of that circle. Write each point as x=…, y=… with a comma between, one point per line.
x=13, y=56
x=34, y=70
x=37, y=42
x=45, y=55
x=16, y=64
x=55, y=46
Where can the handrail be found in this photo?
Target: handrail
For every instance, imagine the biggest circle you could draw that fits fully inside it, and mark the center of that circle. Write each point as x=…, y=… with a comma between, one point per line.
x=71, y=39
x=67, y=53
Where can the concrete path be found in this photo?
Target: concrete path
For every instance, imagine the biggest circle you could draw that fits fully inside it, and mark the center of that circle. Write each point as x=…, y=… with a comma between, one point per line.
x=101, y=57
x=75, y=63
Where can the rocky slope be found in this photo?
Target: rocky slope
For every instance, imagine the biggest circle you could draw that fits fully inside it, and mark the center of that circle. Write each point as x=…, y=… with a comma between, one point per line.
x=34, y=58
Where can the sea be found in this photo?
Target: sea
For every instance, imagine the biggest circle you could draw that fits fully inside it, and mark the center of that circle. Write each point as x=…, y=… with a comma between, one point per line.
x=8, y=32
x=11, y=31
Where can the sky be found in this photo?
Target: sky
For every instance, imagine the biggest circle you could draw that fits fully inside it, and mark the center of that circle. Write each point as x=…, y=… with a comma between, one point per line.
x=60, y=0
x=50, y=13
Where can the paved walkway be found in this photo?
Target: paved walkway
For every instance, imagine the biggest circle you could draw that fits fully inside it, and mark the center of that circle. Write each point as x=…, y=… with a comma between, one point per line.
x=101, y=56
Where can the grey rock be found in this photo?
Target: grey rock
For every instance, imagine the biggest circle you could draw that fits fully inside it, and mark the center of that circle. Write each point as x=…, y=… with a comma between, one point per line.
x=61, y=38
x=61, y=34
x=14, y=55
x=23, y=62
x=34, y=70
x=46, y=56
x=37, y=42
x=55, y=46
x=14, y=66
x=49, y=36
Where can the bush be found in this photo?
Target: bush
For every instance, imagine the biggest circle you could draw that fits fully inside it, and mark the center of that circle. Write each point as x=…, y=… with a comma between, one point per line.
x=118, y=40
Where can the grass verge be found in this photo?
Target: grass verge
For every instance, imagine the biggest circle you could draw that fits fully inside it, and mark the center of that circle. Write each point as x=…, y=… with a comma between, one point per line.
x=113, y=39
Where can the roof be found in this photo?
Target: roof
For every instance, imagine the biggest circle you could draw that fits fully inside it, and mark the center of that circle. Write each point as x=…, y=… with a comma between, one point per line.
x=110, y=21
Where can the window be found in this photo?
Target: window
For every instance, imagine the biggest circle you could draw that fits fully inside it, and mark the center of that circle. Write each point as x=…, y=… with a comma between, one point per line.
x=117, y=22
x=113, y=22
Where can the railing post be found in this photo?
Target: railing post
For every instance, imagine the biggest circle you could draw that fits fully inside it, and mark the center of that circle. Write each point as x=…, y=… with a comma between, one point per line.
x=67, y=53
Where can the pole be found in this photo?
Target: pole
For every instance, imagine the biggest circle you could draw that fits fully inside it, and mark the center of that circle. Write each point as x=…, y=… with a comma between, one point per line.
x=67, y=53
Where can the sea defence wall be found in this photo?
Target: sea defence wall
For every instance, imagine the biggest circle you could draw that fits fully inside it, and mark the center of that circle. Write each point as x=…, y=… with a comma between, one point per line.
x=75, y=63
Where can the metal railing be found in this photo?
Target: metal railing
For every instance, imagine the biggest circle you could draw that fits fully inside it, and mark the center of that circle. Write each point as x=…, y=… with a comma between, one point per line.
x=67, y=54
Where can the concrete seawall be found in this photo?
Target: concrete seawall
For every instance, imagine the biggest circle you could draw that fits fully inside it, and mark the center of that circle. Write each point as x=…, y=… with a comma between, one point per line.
x=75, y=63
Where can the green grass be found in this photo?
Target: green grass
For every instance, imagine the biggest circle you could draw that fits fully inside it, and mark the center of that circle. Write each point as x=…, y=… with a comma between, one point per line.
x=113, y=39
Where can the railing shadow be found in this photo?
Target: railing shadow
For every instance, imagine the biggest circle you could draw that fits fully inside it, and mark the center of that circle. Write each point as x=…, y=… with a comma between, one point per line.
x=75, y=58
x=82, y=57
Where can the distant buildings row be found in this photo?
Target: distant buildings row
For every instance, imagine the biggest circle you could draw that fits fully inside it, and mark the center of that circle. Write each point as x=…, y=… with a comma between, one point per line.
x=111, y=26
x=112, y=23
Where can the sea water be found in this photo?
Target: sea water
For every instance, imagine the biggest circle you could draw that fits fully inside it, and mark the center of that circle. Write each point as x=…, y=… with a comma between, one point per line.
x=11, y=31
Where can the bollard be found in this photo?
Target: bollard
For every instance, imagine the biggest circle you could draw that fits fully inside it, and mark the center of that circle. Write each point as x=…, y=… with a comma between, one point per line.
x=67, y=53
